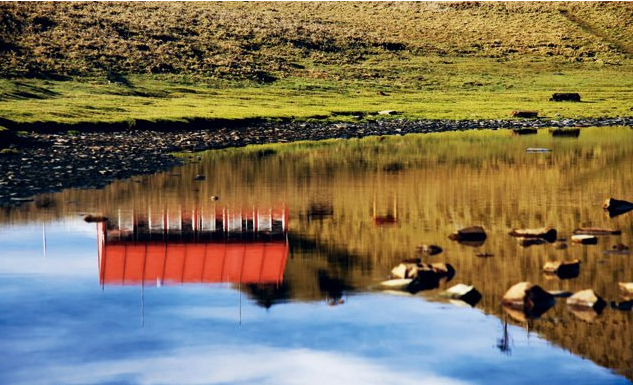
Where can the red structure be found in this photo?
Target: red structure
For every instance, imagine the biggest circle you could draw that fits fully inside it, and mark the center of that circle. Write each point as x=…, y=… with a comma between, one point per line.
x=196, y=247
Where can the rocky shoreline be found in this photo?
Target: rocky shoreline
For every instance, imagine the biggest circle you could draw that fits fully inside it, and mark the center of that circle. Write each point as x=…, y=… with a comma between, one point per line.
x=50, y=162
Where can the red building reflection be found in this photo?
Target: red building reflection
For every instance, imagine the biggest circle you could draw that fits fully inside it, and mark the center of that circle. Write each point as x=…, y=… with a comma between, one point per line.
x=193, y=246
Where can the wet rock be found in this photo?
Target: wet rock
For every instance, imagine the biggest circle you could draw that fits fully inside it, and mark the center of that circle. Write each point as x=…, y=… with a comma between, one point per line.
x=626, y=289
x=586, y=305
x=531, y=299
x=402, y=271
x=22, y=200
x=584, y=239
x=423, y=276
x=214, y=198
x=398, y=283
x=429, y=249
x=424, y=280
x=616, y=207
x=95, y=218
x=524, y=114
x=563, y=269
x=565, y=97
x=623, y=306
x=199, y=177
x=464, y=293
x=596, y=231
x=484, y=255
x=547, y=233
x=471, y=236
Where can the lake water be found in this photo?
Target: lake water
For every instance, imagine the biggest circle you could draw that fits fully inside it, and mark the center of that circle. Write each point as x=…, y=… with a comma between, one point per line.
x=277, y=281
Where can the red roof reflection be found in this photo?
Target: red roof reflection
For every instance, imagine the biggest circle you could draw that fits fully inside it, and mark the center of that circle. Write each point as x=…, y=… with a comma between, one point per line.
x=237, y=254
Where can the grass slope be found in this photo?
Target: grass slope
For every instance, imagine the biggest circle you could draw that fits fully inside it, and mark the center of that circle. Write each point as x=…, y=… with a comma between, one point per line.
x=118, y=62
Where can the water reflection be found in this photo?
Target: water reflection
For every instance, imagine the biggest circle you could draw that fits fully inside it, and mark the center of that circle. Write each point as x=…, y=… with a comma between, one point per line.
x=193, y=246
x=359, y=208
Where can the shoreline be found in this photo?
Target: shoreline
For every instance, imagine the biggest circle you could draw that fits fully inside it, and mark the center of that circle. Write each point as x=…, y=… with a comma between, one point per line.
x=50, y=162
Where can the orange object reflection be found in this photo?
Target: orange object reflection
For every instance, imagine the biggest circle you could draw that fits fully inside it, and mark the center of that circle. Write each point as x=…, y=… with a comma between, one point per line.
x=195, y=247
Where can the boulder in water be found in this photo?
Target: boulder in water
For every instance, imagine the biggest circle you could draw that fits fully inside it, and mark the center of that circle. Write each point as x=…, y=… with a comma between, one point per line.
x=563, y=269
x=616, y=207
x=547, y=233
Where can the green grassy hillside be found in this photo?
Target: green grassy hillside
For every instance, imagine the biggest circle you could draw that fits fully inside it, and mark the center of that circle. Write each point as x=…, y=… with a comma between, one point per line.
x=75, y=62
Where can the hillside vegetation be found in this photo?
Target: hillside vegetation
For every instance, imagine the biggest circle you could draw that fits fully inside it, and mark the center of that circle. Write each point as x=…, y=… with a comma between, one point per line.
x=334, y=48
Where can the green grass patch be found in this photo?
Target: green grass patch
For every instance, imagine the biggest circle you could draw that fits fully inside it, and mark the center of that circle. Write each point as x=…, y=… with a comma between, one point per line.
x=462, y=89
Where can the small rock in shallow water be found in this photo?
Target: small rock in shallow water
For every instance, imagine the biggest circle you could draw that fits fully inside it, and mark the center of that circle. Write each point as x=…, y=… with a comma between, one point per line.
x=584, y=239
x=199, y=177
x=473, y=235
x=547, y=233
x=429, y=249
x=563, y=269
x=616, y=207
x=463, y=292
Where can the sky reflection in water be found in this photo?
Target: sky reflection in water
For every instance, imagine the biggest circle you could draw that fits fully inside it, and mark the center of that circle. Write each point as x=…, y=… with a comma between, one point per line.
x=59, y=326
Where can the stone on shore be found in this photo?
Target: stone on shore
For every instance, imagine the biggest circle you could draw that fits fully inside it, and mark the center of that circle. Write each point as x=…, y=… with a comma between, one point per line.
x=524, y=114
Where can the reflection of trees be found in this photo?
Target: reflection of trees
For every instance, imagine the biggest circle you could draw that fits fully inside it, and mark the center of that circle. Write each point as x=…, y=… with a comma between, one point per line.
x=267, y=295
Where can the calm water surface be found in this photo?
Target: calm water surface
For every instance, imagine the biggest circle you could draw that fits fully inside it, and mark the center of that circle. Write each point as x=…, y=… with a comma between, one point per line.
x=277, y=281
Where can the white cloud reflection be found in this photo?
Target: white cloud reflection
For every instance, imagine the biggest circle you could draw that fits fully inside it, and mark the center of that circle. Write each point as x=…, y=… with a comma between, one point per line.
x=247, y=365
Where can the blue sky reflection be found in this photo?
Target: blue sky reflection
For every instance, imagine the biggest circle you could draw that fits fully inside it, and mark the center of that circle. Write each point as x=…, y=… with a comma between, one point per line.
x=58, y=326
